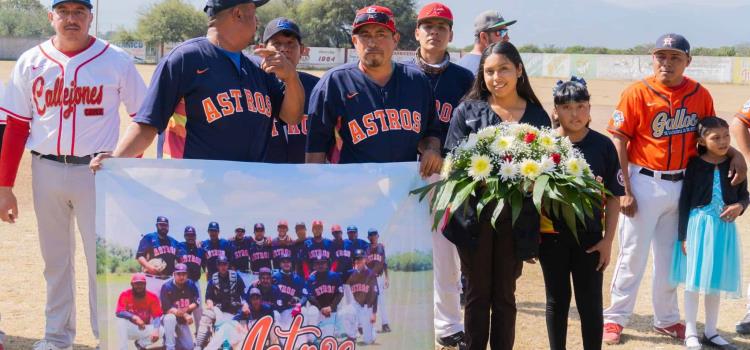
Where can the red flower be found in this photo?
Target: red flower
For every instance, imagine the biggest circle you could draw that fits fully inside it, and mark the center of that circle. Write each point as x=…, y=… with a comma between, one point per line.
x=529, y=138
x=556, y=158
x=508, y=158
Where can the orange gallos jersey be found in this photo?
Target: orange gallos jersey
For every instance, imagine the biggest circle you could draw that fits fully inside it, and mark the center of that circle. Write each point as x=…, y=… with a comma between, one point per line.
x=660, y=122
x=744, y=114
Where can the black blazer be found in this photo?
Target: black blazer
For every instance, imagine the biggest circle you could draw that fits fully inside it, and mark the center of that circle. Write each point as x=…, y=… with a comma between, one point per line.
x=697, y=189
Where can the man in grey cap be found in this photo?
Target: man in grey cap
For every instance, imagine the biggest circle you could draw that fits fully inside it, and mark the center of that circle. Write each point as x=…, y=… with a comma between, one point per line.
x=489, y=27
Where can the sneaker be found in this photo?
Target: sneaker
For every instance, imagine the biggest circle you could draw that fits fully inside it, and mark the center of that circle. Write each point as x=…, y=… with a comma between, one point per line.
x=743, y=327
x=612, y=332
x=386, y=328
x=456, y=341
x=46, y=345
x=676, y=331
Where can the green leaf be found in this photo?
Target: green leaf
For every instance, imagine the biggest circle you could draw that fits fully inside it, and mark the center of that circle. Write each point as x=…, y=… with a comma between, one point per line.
x=462, y=194
x=516, y=203
x=486, y=198
x=442, y=198
x=539, y=187
x=439, y=216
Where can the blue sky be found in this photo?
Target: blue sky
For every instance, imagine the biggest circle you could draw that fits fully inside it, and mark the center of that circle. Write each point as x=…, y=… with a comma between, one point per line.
x=193, y=192
x=610, y=23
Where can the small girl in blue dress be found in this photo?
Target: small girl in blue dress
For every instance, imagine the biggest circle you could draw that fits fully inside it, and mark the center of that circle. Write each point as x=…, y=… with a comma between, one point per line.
x=707, y=259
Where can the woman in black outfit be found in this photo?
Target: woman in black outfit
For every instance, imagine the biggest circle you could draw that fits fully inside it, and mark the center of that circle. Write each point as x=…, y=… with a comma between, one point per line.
x=492, y=259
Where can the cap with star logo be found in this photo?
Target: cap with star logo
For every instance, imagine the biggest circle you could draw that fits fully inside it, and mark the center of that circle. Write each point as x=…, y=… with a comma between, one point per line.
x=672, y=42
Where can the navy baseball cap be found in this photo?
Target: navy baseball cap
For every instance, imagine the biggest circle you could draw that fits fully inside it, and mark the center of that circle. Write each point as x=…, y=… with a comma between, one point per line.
x=86, y=3
x=162, y=220
x=264, y=270
x=259, y=227
x=281, y=25
x=189, y=230
x=672, y=42
x=285, y=256
x=222, y=260
x=215, y=6
x=319, y=258
x=351, y=228
x=372, y=232
x=300, y=224
x=359, y=254
x=213, y=225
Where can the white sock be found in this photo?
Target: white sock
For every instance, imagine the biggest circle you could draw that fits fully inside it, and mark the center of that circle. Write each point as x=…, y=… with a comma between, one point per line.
x=691, y=316
x=712, y=317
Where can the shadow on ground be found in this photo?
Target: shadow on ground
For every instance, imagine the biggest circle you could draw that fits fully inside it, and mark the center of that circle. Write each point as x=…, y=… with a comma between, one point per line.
x=21, y=343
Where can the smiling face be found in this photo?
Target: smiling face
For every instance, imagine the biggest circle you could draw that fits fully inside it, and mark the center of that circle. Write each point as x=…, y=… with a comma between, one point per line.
x=375, y=45
x=669, y=66
x=71, y=21
x=501, y=75
x=434, y=34
x=265, y=279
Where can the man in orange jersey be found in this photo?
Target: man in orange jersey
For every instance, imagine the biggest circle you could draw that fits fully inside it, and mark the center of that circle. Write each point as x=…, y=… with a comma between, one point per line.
x=654, y=133
x=740, y=129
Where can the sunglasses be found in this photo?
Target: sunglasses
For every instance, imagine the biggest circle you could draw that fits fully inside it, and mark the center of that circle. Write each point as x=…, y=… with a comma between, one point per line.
x=372, y=18
x=502, y=32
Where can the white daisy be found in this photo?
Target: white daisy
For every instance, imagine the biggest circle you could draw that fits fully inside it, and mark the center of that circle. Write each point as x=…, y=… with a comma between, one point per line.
x=530, y=169
x=508, y=171
x=480, y=167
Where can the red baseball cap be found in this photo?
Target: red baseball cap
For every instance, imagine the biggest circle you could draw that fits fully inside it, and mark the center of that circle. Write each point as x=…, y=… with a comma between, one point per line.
x=435, y=10
x=138, y=277
x=374, y=14
x=336, y=228
x=283, y=223
x=317, y=223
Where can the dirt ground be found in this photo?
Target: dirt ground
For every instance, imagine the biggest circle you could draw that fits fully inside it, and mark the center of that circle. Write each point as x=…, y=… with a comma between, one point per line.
x=22, y=287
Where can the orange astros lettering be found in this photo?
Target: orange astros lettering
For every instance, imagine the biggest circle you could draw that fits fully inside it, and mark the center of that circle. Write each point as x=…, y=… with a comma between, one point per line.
x=374, y=123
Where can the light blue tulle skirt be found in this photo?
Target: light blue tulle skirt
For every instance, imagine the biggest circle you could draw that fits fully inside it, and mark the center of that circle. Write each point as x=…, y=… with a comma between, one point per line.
x=712, y=264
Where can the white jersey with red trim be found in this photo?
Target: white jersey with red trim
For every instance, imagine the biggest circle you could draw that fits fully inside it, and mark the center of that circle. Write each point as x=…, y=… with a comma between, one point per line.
x=72, y=103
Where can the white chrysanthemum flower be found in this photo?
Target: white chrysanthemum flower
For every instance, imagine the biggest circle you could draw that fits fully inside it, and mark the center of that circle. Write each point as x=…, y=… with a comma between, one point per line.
x=547, y=142
x=530, y=169
x=470, y=143
x=565, y=144
x=487, y=133
x=502, y=144
x=508, y=171
x=447, y=167
x=481, y=167
x=547, y=165
x=575, y=166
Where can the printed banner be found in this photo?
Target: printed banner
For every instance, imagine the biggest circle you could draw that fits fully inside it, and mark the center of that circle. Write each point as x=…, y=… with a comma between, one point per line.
x=333, y=256
x=322, y=58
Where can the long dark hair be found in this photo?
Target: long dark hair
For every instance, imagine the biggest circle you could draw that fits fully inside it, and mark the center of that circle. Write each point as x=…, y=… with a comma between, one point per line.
x=479, y=90
x=705, y=126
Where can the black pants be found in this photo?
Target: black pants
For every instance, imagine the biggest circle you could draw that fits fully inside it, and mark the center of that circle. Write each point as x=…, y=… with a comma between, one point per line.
x=561, y=256
x=491, y=270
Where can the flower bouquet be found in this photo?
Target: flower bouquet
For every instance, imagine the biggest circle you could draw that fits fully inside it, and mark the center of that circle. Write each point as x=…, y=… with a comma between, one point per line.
x=503, y=164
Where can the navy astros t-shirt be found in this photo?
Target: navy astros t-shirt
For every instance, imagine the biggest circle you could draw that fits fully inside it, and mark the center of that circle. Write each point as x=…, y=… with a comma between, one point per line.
x=287, y=143
x=376, y=124
x=229, y=111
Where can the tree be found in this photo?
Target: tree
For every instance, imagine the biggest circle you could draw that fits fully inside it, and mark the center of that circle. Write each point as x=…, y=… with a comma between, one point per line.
x=170, y=21
x=24, y=18
x=275, y=9
x=328, y=23
x=122, y=35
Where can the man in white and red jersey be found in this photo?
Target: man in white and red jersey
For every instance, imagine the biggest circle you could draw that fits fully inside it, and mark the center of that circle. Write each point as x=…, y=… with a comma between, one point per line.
x=62, y=103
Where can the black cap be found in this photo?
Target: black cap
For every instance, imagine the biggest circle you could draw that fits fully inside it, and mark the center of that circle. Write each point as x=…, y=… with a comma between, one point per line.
x=215, y=6
x=222, y=260
x=281, y=24
x=673, y=42
x=259, y=227
x=189, y=230
x=213, y=226
x=162, y=220
x=372, y=232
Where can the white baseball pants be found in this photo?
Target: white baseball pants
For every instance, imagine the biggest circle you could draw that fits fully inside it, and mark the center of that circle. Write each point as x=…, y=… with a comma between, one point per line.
x=62, y=193
x=654, y=227
x=382, y=313
x=127, y=331
x=176, y=336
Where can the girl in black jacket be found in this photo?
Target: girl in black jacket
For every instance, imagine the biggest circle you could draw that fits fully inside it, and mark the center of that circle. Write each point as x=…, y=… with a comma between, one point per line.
x=707, y=259
x=492, y=258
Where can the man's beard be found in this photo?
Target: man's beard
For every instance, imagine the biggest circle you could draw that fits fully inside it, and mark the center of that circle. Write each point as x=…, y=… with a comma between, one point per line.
x=139, y=294
x=373, y=62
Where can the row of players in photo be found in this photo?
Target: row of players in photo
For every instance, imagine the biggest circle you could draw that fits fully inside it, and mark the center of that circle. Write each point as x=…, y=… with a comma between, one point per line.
x=158, y=252
x=343, y=306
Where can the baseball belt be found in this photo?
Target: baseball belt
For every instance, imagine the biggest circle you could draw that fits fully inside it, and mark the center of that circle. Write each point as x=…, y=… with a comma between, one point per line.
x=85, y=160
x=157, y=276
x=668, y=177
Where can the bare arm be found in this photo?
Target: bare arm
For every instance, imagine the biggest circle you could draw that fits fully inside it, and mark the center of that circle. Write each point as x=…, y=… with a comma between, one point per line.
x=741, y=136
x=628, y=205
x=316, y=157
x=135, y=141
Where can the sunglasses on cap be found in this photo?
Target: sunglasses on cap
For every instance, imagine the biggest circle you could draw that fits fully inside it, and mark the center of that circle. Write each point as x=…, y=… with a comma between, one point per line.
x=372, y=18
x=500, y=32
